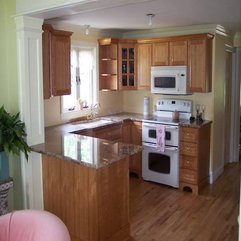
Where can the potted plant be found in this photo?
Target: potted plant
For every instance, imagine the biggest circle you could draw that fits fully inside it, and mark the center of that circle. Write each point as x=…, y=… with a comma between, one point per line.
x=12, y=140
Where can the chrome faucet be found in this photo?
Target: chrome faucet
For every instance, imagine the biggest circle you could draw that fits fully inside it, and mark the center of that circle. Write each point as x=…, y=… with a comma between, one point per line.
x=94, y=111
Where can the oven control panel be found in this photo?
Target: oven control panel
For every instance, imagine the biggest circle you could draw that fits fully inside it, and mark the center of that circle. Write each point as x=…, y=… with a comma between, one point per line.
x=174, y=105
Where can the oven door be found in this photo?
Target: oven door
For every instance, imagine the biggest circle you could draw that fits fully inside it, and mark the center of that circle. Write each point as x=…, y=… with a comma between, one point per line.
x=149, y=134
x=160, y=167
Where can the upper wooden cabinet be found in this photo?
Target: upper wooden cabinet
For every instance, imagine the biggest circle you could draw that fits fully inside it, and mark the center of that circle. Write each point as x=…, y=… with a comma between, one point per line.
x=169, y=53
x=108, y=64
x=200, y=63
x=127, y=65
x=144, y=66
x=56, y=62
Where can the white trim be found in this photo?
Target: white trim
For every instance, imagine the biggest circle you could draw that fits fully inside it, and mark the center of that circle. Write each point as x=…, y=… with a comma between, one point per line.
x=213, y=176
x=235, y=105
x=30, y=81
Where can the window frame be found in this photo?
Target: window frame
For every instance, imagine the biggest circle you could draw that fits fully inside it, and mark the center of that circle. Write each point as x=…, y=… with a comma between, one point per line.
x=95, y=94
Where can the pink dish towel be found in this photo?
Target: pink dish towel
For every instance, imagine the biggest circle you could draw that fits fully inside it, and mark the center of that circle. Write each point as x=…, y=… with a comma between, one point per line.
x=160, y=137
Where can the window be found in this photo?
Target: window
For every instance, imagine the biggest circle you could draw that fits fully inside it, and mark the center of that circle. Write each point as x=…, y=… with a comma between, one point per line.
x=83, y=80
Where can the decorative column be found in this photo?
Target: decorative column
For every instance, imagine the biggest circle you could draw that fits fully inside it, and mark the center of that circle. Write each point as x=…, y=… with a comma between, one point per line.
x=30, y=83
x=4, y=187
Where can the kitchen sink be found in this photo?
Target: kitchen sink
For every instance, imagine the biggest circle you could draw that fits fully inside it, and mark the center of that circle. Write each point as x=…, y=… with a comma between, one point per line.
x=94, y=123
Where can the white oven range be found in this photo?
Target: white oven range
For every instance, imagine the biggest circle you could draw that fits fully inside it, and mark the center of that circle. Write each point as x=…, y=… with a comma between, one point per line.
x=163, y=166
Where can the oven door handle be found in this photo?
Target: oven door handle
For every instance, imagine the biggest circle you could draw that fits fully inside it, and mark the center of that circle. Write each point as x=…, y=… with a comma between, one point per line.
x=171, y=148
x=168, y=127
x=148, y=125
x=172, y=127
x=168, y=148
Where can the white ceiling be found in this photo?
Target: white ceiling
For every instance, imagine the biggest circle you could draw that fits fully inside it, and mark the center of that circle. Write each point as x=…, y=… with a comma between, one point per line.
x=131, y=14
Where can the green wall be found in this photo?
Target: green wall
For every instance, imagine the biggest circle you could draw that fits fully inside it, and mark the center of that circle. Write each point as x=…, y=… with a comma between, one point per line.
x=9, y=86
x=8, y=59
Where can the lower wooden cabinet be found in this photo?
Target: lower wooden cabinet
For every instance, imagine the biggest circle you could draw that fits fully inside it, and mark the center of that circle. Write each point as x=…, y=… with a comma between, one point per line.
x=112, y=133
x=194, y=157
x=135, y=164
x=127, y=132
x=93, y=203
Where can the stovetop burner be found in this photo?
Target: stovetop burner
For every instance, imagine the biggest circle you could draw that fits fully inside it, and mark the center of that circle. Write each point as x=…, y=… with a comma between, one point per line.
x=165, y=109
x=164, y=120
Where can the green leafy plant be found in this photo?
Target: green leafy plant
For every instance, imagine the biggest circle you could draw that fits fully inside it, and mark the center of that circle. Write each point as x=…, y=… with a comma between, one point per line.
x=12, y=134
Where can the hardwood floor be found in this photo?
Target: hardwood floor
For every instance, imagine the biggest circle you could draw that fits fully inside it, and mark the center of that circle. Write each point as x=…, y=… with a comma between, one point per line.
x=161, y=213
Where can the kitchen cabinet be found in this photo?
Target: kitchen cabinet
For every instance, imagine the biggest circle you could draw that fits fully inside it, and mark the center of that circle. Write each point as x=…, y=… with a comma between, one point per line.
x=194, y=157
x=200, y=63
x=109, y=132
x=127, y=65
x=56, y=61
x=108, y=64
x=169, y=53
x=126, y=131
x=135, y=164
x=144, y=66
x=92, y=202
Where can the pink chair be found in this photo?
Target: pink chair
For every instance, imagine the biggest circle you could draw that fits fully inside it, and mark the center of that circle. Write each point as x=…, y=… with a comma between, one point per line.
x=32, y=225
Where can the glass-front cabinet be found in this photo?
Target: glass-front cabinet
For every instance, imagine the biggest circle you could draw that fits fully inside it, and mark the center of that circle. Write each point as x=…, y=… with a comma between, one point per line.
x=127, y=66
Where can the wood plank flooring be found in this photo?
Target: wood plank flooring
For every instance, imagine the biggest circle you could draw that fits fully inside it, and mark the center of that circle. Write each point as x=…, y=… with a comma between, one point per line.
x=161, y=213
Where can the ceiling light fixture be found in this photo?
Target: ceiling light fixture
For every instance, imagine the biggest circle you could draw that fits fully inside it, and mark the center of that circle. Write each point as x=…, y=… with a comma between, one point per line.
x=87, y=29
x=150, y=16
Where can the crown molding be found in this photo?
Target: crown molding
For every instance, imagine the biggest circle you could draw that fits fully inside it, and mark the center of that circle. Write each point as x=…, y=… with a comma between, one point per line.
x=173, y=31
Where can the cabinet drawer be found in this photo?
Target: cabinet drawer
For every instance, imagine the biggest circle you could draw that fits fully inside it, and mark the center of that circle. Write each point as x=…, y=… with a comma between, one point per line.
x=189, y=149
x=188, y=162
x=188, y=176
x=189, y=134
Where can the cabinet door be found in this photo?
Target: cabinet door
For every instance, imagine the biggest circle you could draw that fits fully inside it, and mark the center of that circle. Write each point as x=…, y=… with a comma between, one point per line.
x=127, y=67
x=160, y=54
x=199, y=65
x=178, y=52
x=60, y=64
x=46, y=35
x=136, y=160
x=144, y=66
x=126, y=132
x=112, y=132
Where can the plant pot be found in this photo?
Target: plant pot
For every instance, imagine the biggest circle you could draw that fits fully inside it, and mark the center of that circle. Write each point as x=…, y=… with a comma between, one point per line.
x=4, y=166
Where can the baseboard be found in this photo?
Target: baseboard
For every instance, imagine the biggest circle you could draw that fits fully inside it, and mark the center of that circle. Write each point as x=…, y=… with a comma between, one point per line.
x=213, y=176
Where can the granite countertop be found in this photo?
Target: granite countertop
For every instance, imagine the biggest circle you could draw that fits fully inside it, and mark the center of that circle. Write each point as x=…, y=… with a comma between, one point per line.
x=62, y=142
x=88, y=151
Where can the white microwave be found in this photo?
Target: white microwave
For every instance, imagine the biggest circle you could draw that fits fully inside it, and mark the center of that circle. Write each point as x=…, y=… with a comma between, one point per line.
x=169, y=80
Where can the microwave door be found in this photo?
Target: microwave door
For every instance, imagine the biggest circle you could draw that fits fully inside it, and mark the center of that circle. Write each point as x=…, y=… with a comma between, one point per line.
x=165, y=84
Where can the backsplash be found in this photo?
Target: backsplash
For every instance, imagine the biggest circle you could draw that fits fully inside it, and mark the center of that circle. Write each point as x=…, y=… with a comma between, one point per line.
x=112, y=102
